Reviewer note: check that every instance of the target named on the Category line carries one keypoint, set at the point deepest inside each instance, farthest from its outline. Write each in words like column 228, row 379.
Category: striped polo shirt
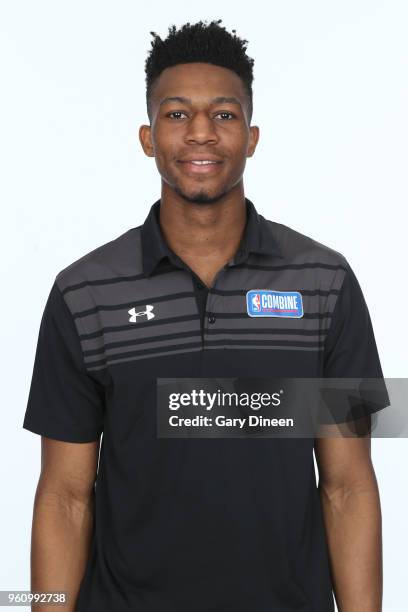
column 197, row 524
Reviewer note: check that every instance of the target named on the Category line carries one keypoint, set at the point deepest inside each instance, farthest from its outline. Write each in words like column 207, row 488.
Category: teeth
column 202, row 161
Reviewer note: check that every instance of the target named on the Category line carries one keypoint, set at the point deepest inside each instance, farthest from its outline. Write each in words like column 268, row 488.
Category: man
column 200, row 525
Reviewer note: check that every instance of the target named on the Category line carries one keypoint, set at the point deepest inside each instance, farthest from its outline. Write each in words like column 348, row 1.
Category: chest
column 167, row 321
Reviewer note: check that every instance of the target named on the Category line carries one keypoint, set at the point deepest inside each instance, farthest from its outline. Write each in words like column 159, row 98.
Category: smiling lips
column 201, row 165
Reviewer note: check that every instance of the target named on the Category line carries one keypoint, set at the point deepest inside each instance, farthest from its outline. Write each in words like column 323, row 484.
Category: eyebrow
column 217, row 100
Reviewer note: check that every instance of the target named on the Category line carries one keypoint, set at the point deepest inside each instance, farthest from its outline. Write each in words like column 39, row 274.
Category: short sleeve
column 64, row 402
column 350, row 352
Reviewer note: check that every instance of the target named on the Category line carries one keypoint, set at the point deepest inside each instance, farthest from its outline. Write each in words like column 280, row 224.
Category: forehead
column 198, row 81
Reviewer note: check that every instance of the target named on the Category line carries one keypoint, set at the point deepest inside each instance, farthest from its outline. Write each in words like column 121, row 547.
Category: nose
column 201, row 129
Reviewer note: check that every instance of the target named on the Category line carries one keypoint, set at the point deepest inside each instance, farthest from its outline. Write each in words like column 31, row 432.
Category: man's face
column 199, row 112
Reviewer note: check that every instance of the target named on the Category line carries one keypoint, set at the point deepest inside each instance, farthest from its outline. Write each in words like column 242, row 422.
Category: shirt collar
column 257, row 238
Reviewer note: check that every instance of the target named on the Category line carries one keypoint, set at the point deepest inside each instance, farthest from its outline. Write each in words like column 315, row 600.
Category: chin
column 200, row 197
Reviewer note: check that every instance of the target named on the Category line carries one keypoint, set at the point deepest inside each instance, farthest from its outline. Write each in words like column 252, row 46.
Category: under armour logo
column 147, row 313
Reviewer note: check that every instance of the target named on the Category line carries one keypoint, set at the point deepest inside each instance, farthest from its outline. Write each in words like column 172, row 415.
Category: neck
column 203, row 235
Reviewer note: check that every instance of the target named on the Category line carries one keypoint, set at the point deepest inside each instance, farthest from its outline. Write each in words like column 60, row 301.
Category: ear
column 145, row 137
column 253, row 140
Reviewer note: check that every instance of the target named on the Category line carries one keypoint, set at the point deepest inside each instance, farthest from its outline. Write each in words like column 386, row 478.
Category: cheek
column 165, row 142
column 244, row 140
column 236, row 142
column 163, row 151
column 239, row 148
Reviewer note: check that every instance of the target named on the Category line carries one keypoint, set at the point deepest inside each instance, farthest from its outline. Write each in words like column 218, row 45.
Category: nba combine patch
column 269, row 303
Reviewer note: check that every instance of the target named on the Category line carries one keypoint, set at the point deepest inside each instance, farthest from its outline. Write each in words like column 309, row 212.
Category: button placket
column 211, row 317
column 201, row 287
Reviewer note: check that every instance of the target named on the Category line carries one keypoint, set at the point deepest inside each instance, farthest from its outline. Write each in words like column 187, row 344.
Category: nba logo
column 256, row 302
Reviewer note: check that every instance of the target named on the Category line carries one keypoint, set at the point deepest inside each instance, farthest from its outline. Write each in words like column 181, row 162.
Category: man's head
column 199, row 103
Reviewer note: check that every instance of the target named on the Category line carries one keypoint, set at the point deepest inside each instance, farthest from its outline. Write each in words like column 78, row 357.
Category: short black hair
column 199, row 42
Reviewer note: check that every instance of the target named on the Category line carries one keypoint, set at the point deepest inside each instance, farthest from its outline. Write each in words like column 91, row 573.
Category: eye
column 175, row 113
column 231, row 115
column 226, row 115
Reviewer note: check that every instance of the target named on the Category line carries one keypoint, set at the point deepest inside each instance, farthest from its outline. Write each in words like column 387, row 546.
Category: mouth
column 200, row 166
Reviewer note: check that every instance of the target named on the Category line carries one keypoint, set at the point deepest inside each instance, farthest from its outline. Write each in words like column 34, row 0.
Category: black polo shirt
column 197, row 524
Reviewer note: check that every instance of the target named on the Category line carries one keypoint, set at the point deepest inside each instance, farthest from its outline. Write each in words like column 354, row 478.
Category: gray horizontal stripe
column 286, row 280
column 106, row 281
column 268, row 347
column 265, row 324
column 244, row 315
column 231, row 341
column 302, row 290
column 147, row 356
column 294, row 266
column 137, row 333
column 143, row 345
column 247, row 337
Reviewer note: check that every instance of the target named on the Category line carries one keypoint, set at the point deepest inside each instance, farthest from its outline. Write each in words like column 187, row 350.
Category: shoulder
column 116, row 258
column 296, row 247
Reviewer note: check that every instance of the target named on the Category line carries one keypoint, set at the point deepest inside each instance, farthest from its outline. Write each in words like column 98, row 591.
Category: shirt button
column 211, row 318
column 199, row 285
